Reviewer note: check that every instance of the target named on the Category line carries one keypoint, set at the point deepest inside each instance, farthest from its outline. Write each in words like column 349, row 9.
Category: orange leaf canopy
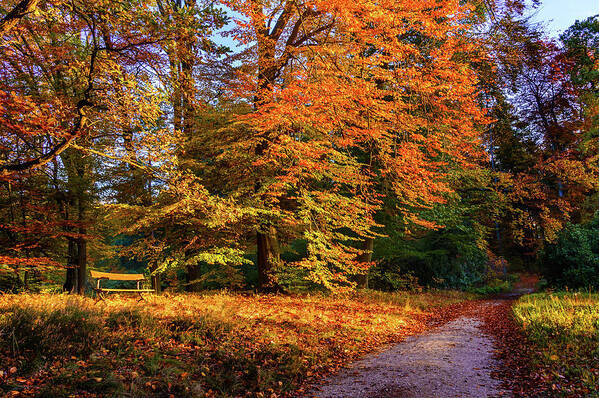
column 352, row 100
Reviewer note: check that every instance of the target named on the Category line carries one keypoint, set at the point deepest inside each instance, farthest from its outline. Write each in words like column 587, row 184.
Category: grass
column 212, row 345
column 564, row 331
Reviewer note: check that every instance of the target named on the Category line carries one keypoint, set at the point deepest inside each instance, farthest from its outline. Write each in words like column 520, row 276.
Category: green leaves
column 573, row 259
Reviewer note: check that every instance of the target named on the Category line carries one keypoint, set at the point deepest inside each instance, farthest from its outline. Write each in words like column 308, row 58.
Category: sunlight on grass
column 564, row 328
column 215, row 344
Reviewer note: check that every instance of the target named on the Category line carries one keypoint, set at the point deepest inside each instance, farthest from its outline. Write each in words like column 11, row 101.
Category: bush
column 14, row 282
column 10, row 282
column 494, row 286
column 388, row 277
column 573, row 260
column 450, row 265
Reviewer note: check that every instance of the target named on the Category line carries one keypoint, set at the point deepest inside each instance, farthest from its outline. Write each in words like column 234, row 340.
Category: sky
column 561, row 14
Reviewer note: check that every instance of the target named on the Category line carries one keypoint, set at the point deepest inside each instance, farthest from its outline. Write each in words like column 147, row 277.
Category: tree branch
column 11, row 19
column 282, row 21
column 80, row 121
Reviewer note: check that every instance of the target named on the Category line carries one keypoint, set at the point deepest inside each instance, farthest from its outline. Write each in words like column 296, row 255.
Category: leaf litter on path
column 455, row 359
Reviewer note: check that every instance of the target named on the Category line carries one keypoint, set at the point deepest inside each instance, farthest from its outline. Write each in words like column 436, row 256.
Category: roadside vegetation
column 563, row 329
column 209, row 345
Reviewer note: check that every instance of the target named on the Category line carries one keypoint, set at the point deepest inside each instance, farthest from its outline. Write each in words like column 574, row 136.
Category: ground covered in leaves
column 548, row 344
column 199, row 345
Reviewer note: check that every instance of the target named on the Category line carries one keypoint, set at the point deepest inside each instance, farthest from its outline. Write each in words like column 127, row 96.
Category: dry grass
column 218, row 344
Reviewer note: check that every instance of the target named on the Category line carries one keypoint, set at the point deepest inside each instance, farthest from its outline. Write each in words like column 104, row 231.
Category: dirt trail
column 453, row 360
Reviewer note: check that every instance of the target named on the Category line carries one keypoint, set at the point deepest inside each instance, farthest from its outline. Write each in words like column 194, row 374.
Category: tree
column 70, row 74
column 329, row 81
column 581, row 50
column 534, row 141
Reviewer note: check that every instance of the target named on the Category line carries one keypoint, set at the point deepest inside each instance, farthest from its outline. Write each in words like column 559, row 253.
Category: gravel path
column 453, row 360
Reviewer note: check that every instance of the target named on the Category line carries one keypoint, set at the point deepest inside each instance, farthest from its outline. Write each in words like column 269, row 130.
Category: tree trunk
column 268, row 259
column 156, row 283
column 26, row 280
column 267, row 243
column 366, row 257
column 82, row 240
column 81, row 263
column 188, row 124
column 70, row 284
column 70, row 280
column 193, row 273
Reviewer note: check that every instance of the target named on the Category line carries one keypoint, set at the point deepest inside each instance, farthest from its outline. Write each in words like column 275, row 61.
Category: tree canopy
column 287, row 144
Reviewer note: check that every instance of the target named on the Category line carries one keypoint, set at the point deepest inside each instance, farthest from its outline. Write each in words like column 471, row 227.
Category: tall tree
column 318, row 96
column 541, row 174
column 65, row 82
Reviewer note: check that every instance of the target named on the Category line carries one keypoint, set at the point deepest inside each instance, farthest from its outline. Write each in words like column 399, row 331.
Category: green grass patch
column 564, row 331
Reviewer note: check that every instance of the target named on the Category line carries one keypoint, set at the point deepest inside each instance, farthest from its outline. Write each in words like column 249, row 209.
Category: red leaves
column 514, row 353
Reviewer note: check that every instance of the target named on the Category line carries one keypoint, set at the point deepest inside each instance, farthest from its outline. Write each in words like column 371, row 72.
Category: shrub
column 445, row 267
column 573, row 260
column 494, row 286
column 10, row 282
column 388, row 277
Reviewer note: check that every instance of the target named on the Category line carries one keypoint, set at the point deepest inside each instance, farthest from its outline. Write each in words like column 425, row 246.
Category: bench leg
column 141, row 298
column 99, row 297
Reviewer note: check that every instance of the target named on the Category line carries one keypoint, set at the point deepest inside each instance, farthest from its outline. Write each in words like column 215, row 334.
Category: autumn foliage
column 277, row 146
column 343, row 107
column 284, row 145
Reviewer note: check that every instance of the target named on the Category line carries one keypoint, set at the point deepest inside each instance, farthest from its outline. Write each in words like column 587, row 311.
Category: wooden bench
column 99, row 276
